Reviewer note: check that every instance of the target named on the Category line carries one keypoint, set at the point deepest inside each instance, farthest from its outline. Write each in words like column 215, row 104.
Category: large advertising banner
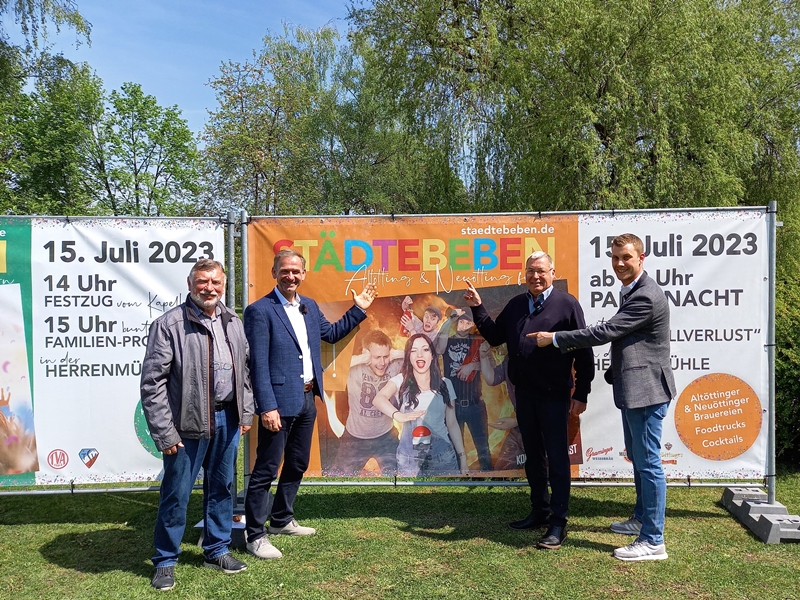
column 712, row 267
column 78, row 297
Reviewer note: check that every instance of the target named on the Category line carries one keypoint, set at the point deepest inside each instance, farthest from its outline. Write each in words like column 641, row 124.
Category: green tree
column 32, row 17
column 306, row 128
column 11, row 82
column 260, row 140
column 580, row 104
column 144, row 159
column 55, row 140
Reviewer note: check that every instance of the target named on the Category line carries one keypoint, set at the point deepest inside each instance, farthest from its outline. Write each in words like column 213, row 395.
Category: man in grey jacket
column 643, row 385
column 197, row 401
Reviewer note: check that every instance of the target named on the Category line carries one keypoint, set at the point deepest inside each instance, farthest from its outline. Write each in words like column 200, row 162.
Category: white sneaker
column 291, row 528
column 632, row 526
column 263, row 548
column 641, row 550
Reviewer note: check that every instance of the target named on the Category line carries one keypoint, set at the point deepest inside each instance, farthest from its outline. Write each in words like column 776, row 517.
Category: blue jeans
column 438, row 458
column 217, row 456
column 354, row 453
column 642, row 430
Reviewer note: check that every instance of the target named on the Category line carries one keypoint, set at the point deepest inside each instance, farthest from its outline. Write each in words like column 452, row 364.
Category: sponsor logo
column 57, row 459
column 624, row 454
column 573, row 449
column 592, row 453
column 668, row 446
column 671, row 455
column 88, row 456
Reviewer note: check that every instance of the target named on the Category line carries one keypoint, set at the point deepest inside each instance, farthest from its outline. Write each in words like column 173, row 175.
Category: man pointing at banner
column 285, row 332
column 643, row 384
column 197, row 401
column 543, row 380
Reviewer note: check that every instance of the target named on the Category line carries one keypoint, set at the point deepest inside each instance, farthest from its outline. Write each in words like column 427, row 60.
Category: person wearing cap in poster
column 643, row 383
column 544, row 385
column 429, row 325
column 459, row 347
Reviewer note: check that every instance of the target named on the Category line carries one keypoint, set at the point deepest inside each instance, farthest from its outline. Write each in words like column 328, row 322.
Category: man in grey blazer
column 643, row 385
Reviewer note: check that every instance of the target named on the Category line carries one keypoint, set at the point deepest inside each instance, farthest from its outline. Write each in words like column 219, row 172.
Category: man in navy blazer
column 285, row 332
column 643, row 384
column 543, row 383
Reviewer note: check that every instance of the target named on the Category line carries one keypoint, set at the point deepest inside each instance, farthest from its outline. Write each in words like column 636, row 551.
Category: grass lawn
column 419, row 543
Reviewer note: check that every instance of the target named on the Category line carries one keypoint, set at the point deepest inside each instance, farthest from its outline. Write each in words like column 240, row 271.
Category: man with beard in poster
column 544, row 388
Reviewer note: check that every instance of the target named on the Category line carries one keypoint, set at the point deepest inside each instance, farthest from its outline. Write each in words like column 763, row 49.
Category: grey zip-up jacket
column 176, row 375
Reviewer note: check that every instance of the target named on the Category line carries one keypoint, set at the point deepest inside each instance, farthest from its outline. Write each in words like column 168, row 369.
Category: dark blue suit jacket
column 276, row 362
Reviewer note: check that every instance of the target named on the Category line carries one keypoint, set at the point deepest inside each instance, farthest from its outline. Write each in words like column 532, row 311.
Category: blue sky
column 173, row 47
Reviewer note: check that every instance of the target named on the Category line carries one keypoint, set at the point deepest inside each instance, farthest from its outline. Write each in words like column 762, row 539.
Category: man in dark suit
column 544, row 388
column 285, row 331
column 643, row 384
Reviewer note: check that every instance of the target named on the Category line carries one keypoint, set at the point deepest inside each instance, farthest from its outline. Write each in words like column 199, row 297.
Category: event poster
column 89, row 289
column 711, row 265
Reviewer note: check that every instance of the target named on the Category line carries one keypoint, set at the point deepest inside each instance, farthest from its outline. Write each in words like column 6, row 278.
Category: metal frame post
column 772, row 225
column 230, row 228
column 244, row 219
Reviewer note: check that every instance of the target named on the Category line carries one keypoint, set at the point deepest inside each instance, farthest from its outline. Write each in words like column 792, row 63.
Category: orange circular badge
column 718, row 416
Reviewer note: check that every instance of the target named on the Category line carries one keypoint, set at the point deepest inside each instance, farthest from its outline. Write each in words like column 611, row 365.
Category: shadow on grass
column 100, row 551
column 107, row 532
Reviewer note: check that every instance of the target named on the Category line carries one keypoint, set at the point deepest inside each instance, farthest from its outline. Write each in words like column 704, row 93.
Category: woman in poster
column 430, row 441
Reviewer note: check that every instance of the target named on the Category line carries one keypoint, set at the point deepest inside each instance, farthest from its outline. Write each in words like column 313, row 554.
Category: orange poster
column 420, row 266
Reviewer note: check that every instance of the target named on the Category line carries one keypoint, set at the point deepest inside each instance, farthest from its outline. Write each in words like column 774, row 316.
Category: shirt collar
column 627, row 289
column 544, row 295
column 284, row 301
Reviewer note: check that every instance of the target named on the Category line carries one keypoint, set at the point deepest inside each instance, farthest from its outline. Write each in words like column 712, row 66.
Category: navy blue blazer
column 276, row 363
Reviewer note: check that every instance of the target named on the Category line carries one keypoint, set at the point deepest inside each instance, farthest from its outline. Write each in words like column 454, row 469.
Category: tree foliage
column 144, row 160
column 580, row 104
column 69, row 149
column 306, row 128
column 32, row 16
column 54, row 140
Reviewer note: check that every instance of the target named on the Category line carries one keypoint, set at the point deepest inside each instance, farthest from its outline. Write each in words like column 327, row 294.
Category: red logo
column 57, row 459
column 590, row 452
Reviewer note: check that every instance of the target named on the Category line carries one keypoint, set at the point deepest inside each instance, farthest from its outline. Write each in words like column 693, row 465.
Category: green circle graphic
column 143, row 432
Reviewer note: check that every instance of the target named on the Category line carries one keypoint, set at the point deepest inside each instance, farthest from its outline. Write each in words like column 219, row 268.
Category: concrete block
column 769, row 521
column 736, row 495
column 774, row 529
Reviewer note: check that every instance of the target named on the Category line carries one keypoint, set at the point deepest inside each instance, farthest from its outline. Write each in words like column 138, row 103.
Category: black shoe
column 225, row 563
column 553, row 539
column 164, row 578
column 532, row 521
